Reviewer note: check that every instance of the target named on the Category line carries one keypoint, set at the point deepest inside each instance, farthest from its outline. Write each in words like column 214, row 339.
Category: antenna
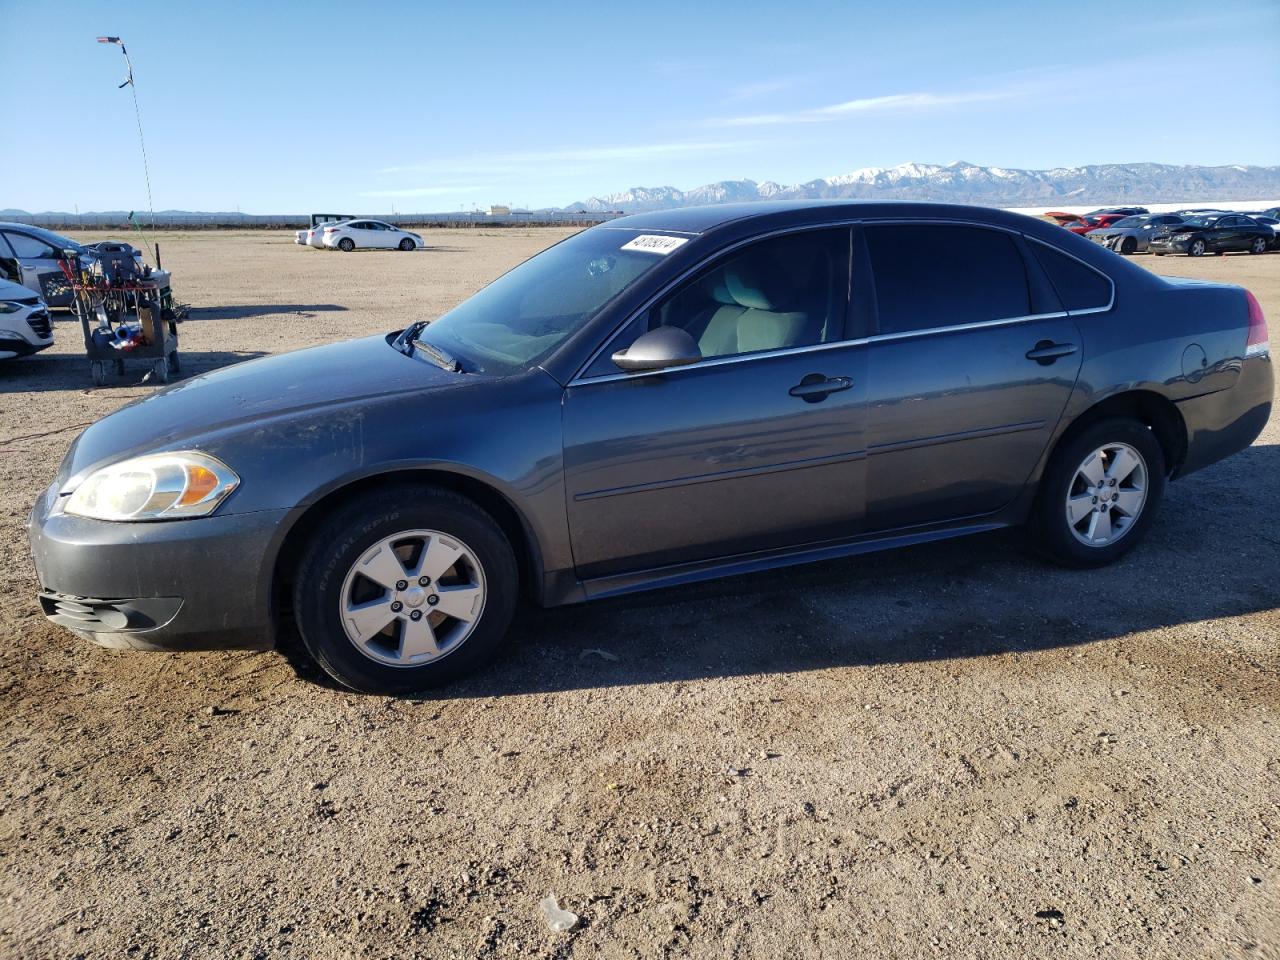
column 133, row 88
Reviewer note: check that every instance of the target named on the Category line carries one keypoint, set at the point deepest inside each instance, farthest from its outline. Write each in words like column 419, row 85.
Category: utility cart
column 123, row 316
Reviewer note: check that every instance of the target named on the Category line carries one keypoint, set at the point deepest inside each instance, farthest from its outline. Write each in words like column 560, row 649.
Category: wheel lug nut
column 416, row 615
column 432, row 600
column 396, row 606
column 424, row 581
column 402, row 585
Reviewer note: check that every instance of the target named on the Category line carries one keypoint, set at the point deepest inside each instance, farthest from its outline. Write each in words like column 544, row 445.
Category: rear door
column 969, row 370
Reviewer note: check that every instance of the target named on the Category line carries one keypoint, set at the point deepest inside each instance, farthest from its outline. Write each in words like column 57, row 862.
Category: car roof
column 698, row 220
column 41, row 232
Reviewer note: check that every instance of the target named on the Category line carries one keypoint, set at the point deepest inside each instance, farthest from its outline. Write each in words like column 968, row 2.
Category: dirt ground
column 950, row 751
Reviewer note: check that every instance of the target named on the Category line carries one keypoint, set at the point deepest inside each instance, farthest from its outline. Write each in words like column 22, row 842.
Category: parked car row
column 1193, row 232
column 349, row 235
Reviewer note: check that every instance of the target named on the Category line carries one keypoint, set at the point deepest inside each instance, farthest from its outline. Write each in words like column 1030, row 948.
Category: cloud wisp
column 892, row 103
column 522, row 160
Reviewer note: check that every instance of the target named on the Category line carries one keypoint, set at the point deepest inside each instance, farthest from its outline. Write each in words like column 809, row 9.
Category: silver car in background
column 29, row 256
column 1131, row 234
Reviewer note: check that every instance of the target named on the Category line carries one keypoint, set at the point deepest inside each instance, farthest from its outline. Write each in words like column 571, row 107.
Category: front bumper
column 1168, row 246
column 170, row 585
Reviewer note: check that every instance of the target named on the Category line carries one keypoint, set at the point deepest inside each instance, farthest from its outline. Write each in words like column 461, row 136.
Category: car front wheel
column 407, row 244
column 1196, row 249
column 405, row 589
column 1099, row 494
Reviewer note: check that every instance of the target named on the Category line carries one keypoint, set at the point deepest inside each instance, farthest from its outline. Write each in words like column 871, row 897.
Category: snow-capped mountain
column 962, row 182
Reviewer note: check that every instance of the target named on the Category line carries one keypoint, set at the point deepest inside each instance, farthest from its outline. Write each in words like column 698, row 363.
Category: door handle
column 815, row 387
column 1046, row 351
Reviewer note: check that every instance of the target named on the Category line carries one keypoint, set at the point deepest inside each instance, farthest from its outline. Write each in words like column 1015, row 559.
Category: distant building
column 497, row 210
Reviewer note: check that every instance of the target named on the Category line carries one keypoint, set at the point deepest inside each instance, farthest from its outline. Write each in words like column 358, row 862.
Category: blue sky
column 427, row 106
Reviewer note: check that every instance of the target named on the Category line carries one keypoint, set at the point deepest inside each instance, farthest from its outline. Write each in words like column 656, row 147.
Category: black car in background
column 1123, row 211
column 1213, row 233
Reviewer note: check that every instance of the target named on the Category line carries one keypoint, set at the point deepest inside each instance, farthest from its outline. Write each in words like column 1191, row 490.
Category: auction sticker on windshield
column 650, row 243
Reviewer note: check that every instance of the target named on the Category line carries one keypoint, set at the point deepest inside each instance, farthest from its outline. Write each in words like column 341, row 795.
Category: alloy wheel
column 1197, row 248
column 412, row 598
column 1107, row 494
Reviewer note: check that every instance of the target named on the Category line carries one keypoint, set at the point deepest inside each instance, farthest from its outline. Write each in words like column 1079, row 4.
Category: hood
column 286, row 384
column 15, row 291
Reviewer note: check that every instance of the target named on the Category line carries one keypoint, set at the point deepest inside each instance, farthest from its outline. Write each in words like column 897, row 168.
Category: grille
column 84, row 613
column 39, row 324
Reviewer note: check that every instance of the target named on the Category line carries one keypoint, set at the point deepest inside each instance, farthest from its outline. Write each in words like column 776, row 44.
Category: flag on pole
column 128, row 64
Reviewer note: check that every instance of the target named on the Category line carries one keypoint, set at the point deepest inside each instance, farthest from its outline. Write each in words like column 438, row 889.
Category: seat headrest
column 758, row 284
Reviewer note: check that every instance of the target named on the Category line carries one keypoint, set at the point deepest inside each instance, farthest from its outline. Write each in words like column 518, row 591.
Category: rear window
column 942, row 275
column 1079, row 287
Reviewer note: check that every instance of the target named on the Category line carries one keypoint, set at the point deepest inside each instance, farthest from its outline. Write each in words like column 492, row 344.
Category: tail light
column 1256, row 344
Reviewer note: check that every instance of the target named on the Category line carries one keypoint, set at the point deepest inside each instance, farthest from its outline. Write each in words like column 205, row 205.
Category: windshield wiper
column 404, row 342
column 436, row 355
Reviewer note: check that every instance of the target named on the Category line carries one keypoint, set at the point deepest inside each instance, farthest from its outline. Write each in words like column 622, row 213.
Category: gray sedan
column 664, row 398
column 1131, row 234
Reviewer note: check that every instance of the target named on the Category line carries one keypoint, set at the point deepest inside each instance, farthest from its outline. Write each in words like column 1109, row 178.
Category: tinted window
column 26, row 247
column 1130, row 222
column 1079, row 287
column 930, row 275
column 774, row 295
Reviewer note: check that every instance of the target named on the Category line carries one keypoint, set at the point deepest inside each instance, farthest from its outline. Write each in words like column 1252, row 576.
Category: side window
column 941, row 275
column 776, row 294
column 26, row 247
column 1079, row 287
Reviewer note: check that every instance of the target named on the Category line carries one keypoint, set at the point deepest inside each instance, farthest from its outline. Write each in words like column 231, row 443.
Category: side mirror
column 659, row 349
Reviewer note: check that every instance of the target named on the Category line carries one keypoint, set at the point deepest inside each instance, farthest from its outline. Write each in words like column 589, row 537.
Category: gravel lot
column 948, row 751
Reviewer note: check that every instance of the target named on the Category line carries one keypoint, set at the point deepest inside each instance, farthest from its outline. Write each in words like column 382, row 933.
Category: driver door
column 759, row 446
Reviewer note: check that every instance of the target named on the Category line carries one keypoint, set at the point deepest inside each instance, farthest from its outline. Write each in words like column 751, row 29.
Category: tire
column 1064, row 483
column 332, row 577
column 160, row 371
column 1196, row 249
column 98, row 371
column 346, row 244
column 1259, row 245
column 1129, row 246
column 406, row 244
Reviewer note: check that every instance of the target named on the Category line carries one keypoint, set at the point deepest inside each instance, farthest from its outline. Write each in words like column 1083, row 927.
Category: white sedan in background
column 368, row 235
column 24, row 322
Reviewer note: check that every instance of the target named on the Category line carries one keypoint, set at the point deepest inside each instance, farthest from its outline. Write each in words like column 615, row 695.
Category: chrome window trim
column 579, row 380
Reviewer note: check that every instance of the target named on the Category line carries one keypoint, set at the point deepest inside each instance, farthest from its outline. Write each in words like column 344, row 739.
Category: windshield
column 517, row 320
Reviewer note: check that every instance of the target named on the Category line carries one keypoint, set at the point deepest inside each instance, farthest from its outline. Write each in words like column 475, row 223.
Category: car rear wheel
column 346, row 244
column 1259, row 245
column 407, row 244
column 1099, row 494
column 1196, row 249
column 405, row 589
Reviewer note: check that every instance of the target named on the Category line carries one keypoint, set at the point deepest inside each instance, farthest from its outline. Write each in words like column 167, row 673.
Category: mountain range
column 962, row 182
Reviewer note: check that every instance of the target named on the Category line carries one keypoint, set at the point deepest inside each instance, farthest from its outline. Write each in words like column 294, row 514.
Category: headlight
column 162, row 486
column 1182, row 236
column 10, row 306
